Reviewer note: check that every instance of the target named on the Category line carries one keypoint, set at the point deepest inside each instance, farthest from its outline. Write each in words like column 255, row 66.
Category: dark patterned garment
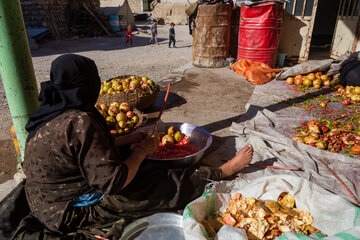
column 72, row 155
column 69, row 156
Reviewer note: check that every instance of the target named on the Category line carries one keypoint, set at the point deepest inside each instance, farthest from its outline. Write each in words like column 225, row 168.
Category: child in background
column 153, row 30
column 129, row 36
column 172, row 34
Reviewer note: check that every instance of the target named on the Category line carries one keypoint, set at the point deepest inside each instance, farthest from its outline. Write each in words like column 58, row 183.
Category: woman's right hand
column 150, row 144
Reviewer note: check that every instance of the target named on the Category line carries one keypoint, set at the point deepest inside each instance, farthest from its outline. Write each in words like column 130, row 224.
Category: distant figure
column 129, row 36
column 153, row 30
column 172, row 34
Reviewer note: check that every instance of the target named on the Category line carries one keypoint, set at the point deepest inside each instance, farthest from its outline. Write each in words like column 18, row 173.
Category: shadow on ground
column 54, row 47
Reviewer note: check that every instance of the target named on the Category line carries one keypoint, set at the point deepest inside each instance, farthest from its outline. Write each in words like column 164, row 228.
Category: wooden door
column 297, row 28
column 346, row 28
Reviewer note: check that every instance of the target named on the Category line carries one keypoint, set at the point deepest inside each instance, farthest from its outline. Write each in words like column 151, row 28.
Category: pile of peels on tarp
column 263, row 220
column 255, row 72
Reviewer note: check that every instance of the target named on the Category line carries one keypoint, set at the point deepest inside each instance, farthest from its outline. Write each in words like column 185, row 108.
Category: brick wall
column 34, row 13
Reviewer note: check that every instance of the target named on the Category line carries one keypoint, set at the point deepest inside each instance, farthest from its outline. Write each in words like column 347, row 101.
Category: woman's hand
column 149, row 144
column 129, row 139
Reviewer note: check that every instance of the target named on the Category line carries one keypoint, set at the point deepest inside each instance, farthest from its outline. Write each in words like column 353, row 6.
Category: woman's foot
column 240, row 161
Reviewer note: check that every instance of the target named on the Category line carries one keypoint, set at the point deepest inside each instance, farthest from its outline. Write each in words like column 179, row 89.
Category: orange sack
column 255, row 72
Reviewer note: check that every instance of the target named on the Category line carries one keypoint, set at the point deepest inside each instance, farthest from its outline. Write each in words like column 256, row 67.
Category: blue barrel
column 114, row 22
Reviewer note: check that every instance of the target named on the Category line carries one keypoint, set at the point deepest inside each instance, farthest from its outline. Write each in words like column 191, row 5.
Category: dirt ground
column 211, row 98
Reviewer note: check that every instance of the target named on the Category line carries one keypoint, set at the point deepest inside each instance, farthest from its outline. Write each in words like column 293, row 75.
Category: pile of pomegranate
column 350, row 94
column 332, row 136
column 118, row 85
column 120, row 117
column 174, row 144
column 315, row 80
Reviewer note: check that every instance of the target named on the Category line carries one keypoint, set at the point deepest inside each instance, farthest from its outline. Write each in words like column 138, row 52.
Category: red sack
column 255, row 72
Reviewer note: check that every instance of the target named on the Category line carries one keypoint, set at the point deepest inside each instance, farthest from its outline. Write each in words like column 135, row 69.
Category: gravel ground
column 112, row 57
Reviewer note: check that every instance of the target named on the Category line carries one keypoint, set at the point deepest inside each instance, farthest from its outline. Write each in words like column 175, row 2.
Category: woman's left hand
column 129, row 139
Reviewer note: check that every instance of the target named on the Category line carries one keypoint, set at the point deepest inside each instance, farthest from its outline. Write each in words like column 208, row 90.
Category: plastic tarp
column 329, row 66
column 332, row 214
column 267, row 125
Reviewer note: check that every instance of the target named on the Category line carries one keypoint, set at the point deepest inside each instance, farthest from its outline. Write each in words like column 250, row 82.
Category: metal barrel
column 259, row 32
column 211, row 35
column 114, row 22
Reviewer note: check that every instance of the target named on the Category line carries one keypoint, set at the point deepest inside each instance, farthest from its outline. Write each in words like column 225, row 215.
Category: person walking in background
column 172, row 34
column 129, row 36
column 153, row 30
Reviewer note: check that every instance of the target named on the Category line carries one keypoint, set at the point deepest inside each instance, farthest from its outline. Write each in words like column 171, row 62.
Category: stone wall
column 34, row 11
column 171, row 12
column 136, row 6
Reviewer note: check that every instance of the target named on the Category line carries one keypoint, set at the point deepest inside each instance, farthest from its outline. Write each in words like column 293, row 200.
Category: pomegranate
column 113, row 110
column 135, row 119
column 317, row 82
column 346, row 102
column 299, row 139
column 290, row 80
column 357, row 90
column 171, row 131
column 324, row 129
column 314, row 129
column 323, row 104
column 178, row 136
column 144, row 84
column 122, row 124
column 307, row 82
column 310, row 139
column 129, row 114
column 355, row 149
column 124, row 107
column 327, row 83
column 321, row 145
column 298, row 76
column 318, row 75
column 313, row 122
column 121, row 117
column 103, row 107
column 324, row 78
column 298, row 81
column 110, row 120
column 185, row 140
column 349, row 127
column 311, row 76
column 167, row 140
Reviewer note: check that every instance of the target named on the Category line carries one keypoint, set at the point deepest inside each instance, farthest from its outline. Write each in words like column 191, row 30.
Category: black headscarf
column 74, row 84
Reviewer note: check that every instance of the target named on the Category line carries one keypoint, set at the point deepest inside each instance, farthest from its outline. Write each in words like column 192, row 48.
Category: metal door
column 346, row 28
column 297, row 28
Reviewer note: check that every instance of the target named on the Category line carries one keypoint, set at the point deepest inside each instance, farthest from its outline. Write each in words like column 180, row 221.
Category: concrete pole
column 16, row 68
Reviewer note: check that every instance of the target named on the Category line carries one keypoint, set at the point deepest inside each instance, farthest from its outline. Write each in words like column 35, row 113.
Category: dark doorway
column 324, row 27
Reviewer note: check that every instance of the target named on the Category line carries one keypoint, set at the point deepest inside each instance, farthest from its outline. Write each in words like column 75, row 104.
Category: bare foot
column 240, row 161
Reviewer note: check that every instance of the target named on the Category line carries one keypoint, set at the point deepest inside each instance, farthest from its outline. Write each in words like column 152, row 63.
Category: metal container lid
column 160, row 226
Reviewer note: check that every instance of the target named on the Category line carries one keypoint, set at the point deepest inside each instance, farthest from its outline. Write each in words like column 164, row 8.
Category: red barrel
column 259, row 32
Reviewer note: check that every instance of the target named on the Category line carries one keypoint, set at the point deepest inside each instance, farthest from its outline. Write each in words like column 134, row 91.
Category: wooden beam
column 97, row 19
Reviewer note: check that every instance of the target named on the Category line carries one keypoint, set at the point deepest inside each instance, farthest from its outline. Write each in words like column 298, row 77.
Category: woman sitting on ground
column 79, row 178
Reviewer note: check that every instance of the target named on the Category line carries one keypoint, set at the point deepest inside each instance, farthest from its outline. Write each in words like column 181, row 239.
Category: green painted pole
column 16, row 68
